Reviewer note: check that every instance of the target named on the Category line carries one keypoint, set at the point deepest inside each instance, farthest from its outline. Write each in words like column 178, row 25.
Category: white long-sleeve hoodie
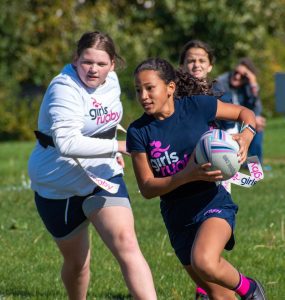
column 72, row 113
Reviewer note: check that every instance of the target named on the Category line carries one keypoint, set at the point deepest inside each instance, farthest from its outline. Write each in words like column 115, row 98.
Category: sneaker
column 258, row 294
column 201, row 297
column 201, row 294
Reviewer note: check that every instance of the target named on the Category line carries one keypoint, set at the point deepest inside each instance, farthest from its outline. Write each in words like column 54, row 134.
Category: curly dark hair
column 186, row 84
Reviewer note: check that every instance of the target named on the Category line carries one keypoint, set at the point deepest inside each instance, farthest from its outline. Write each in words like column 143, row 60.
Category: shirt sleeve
column 134, row 140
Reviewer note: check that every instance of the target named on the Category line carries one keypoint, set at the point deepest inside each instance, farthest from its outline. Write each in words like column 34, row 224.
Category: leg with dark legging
column 256, row 146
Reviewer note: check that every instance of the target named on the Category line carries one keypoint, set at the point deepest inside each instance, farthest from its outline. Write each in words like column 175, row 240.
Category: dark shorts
column 65, row 217
column 184, row 217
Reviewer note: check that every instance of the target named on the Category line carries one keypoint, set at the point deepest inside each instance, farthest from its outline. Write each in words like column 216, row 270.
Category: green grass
column 30, row 262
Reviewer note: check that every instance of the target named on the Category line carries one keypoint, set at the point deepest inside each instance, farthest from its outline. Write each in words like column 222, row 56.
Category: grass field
column 30, row 262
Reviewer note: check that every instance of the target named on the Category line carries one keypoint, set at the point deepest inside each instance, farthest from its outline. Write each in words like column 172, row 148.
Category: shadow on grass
column 22, row 294
column 115, row 297
column 112, row 296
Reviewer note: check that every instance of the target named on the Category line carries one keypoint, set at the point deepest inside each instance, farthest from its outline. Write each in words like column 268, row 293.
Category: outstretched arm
column 226, row 111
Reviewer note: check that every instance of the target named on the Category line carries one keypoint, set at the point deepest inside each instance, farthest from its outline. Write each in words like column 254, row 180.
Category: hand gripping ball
column 217, row 147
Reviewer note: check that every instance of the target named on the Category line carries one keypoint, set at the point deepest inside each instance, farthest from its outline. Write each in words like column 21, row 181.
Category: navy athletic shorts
column 183, row 218
column 64, row 217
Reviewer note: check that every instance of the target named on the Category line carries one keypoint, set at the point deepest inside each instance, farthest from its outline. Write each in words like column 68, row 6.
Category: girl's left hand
column 120, row 160
column 244, row 139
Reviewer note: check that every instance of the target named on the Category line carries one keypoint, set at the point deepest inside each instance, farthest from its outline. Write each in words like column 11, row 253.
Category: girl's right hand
column 195, row 172
column 120, row 159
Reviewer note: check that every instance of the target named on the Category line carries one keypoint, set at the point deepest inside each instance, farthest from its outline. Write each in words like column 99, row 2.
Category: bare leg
column 115, row 225
column 75, row 269
column 214, row 291
column 206, row 253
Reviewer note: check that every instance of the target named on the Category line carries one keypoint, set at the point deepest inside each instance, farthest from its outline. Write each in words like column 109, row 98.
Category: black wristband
column 249, row 127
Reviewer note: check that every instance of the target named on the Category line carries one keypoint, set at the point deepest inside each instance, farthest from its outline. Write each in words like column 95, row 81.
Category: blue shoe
column 258, row 294
column 201, row 297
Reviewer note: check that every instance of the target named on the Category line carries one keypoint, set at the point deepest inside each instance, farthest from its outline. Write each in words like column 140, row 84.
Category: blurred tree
column 39, row 36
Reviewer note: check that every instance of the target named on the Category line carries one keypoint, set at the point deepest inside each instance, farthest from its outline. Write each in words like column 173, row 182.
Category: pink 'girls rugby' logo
column 157, row 151
column 96, row 104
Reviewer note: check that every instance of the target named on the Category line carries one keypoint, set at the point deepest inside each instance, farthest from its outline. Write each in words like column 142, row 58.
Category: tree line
column 39, row 36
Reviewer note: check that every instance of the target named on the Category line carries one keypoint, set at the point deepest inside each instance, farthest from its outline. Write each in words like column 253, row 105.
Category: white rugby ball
column 217, row 147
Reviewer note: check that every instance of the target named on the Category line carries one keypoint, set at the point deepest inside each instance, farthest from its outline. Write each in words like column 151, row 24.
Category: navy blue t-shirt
column 169, row 143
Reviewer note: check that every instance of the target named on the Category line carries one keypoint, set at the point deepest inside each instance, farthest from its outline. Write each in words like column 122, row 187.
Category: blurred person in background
column 197, row 58
column 242, row 87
